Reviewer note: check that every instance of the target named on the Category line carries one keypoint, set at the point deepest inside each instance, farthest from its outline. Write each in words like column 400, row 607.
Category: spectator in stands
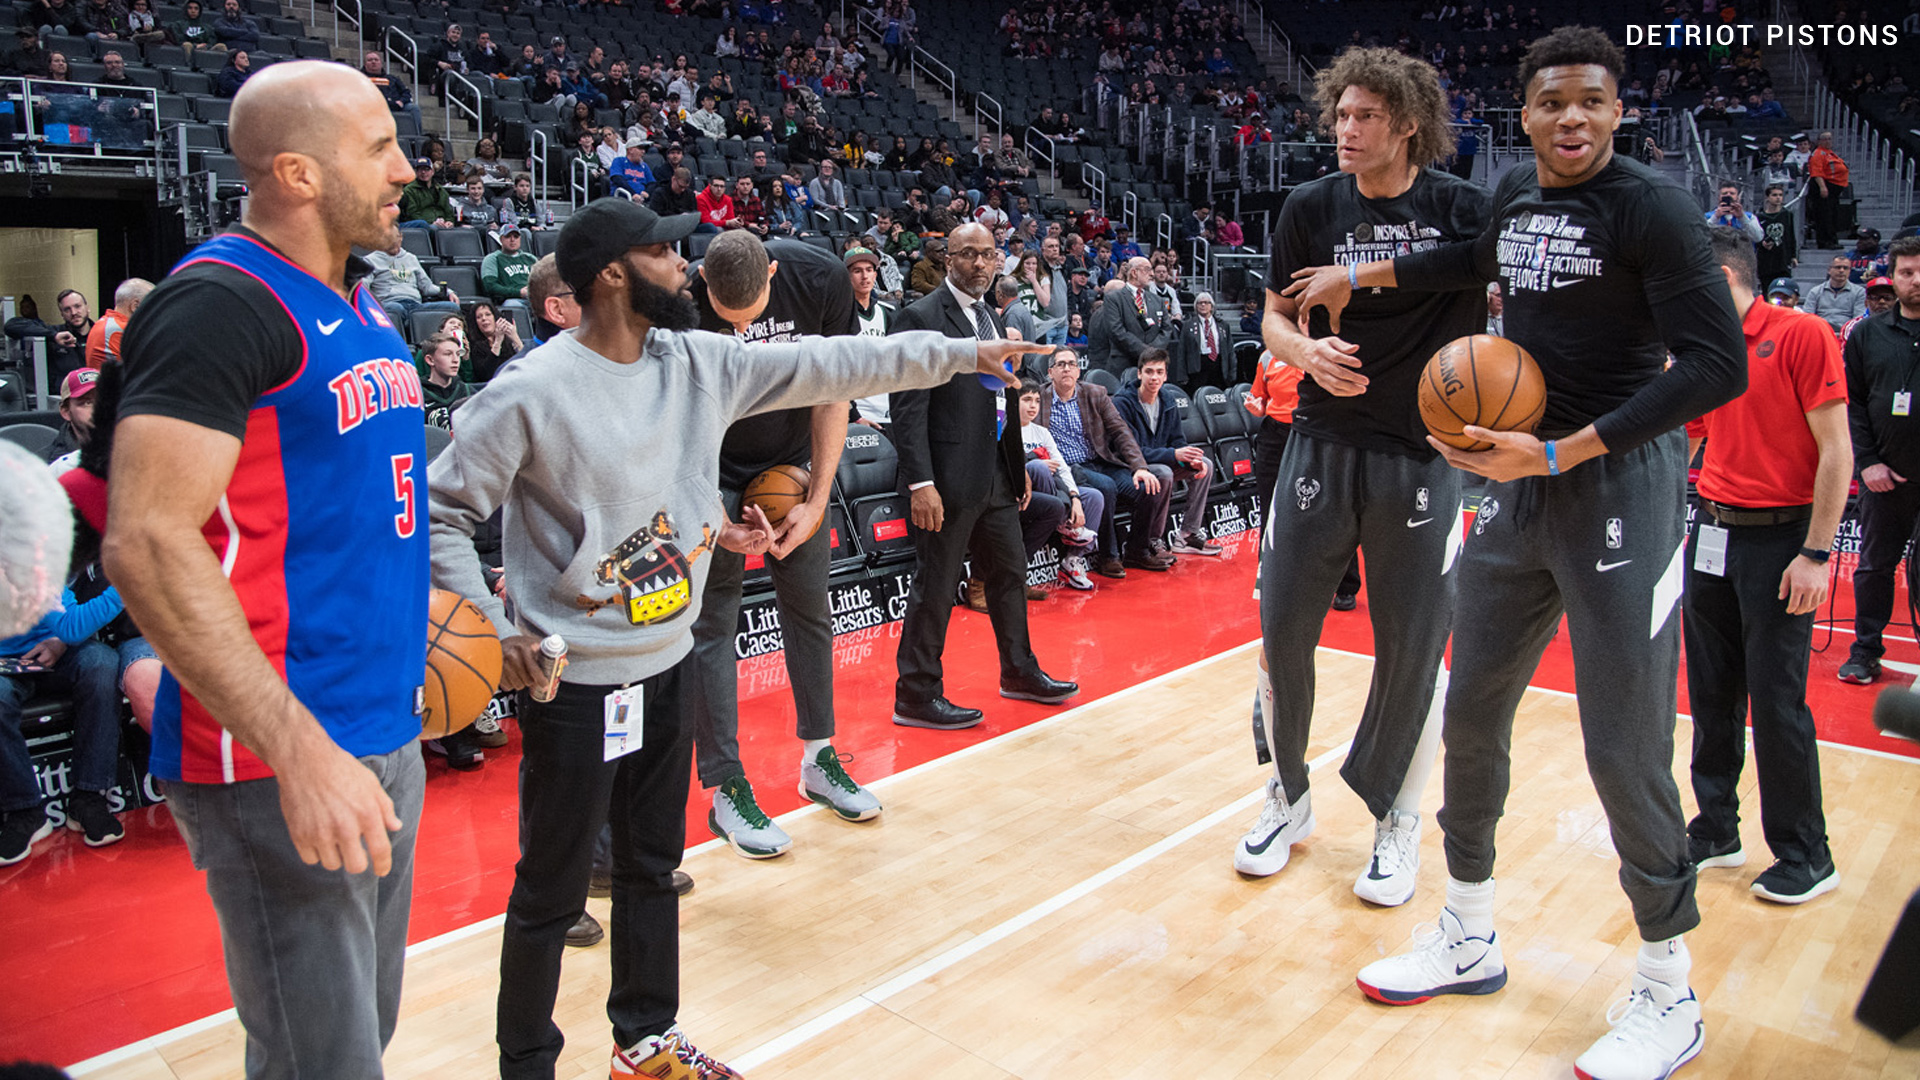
column 1056, row 499
column 105, row 20
column 715, row 206
column 1154, row 420
column 826, row 191
column 1162, row 287
column 447, row 55
column 504, row 273
column 1784, row 292
column 1218, row 64
column 76, row 417
column 488, row 58
column 674, row 195
column 486, row 163
column 1016, row 315
column 1129, row 325
column 938, row 176
column 103, row 340
column 631, row 174
column 1868, row 260
column 1195, row 226
column 235, row 28
column 68, row 348
column 1208, row 344
column 398, row 94
column 453, row 326
column 1827, row 173
column 1774, row 170
column 706, row 121
column 116, row 70
column 749, row 210
column 474, row 207
column 402, row 286
column 143, row 26
column 1731, row 214
column 64, row 657
column 1837, row 299
column 234, row 75
column 520, row 208
column 1779, row 247
column 26, row 59
column 443, row 388
column 492, row 339
column 931, row 271
column 423, row 203
column 784, row 216
column 809, row 144
column 1081, row 295
column 58, row 17
column 1095, row 440
column 1881, row 298
column 1012, row 162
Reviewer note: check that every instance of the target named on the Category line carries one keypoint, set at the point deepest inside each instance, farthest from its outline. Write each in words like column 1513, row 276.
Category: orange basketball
column 779, row 490
column 1484, row 380
column 463, row 664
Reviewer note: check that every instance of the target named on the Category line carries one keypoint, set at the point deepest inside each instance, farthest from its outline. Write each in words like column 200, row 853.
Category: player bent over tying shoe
column 1607, row 270
column 1357, row 471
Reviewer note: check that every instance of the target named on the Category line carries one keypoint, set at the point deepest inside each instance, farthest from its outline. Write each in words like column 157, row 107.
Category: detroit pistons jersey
column 320, row 531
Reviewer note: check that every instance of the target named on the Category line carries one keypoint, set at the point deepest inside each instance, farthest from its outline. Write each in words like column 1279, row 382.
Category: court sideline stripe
column 419, row 948
column 927, row 969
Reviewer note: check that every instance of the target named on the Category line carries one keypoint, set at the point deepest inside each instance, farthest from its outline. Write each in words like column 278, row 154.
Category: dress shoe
column 600, row 886
column 1038, row 687
column 682, row 883
column 1035, row 592
column 938, row 714
column 586, row 932
column 1148, row 561
column 1345, row 601
column 1108, row 566
column 977, row 595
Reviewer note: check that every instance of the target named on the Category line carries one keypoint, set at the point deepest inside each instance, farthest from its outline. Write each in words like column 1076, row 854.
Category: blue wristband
column 1553, row 460
column 1353, row 275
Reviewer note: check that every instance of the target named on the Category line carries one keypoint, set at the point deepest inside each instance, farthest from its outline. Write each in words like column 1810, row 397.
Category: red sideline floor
column 105, row 947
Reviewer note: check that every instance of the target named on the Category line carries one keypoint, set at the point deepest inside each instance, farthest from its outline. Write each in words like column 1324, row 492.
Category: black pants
column 1886, row 524
column 566, row 794
column 1268, row 445
column 990, row 529
column 1826, row 213
column 1743, row 646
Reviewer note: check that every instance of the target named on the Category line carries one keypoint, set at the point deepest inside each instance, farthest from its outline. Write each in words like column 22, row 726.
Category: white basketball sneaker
column 1389, row 877
column 1444, row 960
column 1656, row 1029
column 1266, row 847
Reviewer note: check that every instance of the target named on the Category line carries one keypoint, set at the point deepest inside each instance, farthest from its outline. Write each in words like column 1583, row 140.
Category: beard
column 345, row 217
column 666, row 309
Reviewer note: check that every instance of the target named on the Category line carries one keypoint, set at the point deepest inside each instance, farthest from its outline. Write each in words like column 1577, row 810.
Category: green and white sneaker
column 738, row 820
column 825, row 782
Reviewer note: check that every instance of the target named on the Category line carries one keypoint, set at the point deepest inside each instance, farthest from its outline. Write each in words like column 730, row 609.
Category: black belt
column 1760, row 515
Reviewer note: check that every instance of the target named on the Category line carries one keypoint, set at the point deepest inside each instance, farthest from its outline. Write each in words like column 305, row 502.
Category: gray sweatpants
column 712, row 690
column 1603, row 543
column 1405, row 514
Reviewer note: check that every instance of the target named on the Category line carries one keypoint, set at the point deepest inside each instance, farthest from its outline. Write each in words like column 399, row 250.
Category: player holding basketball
column 1357, row 471
column 1606, row 270
column 266, row 530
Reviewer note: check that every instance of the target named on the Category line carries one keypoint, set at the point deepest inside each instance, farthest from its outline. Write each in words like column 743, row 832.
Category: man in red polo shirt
column 1772, row 488
column 1827, row 171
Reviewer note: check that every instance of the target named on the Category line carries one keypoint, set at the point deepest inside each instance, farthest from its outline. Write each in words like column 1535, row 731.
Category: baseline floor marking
column 927, row 969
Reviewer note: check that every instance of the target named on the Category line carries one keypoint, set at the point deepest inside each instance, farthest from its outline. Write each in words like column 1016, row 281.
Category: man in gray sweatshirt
column 603, row 447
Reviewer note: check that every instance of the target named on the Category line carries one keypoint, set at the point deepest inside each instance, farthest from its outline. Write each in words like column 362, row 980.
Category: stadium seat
column 420, row 243
column 462, row 278
column 35, row 438
column 459, row 245
column 1103, row 379
column 868, row 479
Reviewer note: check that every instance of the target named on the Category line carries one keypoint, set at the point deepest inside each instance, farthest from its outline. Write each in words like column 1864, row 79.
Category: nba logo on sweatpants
column 1613, row 534
column 1420, row 499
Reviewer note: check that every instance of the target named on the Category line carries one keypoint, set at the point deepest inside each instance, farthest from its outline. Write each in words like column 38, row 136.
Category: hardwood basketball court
column 1060, row 902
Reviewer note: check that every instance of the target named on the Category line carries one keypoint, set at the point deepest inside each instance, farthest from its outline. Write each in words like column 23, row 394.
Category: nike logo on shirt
column 327, row 328
column 1603, row 566
column 1412, row 524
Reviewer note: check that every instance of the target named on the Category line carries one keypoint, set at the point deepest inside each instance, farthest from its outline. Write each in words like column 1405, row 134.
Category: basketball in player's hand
column 1483, row 380
column 463, row 664
column 778, row 490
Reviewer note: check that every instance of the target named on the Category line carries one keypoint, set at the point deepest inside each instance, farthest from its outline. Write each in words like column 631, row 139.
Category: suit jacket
column 1106, row 429
column 1190, row 356
column 946, row 434
column 1119, row 334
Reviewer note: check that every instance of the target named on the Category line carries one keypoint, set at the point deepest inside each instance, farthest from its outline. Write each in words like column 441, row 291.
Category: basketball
column 779, row 490
column 1484, row 380
column 463, row 664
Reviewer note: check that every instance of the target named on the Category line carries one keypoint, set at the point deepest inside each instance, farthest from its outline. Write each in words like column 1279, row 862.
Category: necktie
column 983, row 329
column 1206, row 328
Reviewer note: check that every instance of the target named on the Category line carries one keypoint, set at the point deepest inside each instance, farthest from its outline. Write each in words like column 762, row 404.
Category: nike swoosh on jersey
column 1412, row 524
column 1561, row 283
column 1603, row 566
column 327, row 328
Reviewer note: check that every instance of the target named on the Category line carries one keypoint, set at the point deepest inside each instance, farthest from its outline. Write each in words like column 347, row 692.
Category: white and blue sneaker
column 1266, row 847
column 824, row 781
column 1656, row 1029
column 738, row 819
column 1390, row 875
column 1444, row 960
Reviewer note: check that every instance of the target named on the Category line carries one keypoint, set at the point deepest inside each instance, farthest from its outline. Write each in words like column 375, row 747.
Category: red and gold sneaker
column 669, row 1057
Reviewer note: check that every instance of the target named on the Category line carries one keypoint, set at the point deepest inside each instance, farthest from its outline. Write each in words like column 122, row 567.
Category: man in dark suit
column 963, row 468
column 1208, row 346
column 1131, row 321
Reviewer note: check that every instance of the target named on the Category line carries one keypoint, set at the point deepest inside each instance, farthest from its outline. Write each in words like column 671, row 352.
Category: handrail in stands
column 454, row 81
column 355, row 18
column 919, row 57
column 538, row 148
column 410, row 57
column 1040, row 150
column 579, row 183
column 980, row 103
column 1094, row 179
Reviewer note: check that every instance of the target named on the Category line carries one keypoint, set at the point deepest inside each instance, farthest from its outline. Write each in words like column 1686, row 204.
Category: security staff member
column 1772, row 488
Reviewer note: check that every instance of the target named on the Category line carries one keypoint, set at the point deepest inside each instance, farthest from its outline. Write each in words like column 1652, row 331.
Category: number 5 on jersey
column 405, row 520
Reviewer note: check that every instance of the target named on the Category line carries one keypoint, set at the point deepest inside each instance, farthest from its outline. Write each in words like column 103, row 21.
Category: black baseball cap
column 606, row 229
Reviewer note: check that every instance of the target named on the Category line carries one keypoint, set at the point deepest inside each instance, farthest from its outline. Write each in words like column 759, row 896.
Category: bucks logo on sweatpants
column 653, row 576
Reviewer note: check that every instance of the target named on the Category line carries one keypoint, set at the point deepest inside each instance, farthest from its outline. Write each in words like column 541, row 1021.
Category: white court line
column 927, row 969
column 155, row 1042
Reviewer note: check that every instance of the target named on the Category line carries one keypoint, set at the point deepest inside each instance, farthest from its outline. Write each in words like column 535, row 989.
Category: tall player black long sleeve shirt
column 1602, row 281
